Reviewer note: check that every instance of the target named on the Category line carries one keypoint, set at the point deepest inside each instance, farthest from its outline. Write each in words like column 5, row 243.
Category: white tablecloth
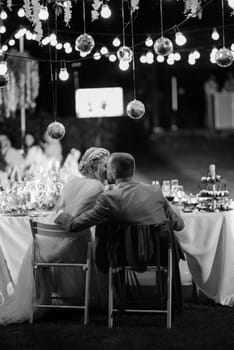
column 208, row 241
column 15, row 238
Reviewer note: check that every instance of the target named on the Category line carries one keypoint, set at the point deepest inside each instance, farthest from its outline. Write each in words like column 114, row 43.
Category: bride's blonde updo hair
column 89, row 160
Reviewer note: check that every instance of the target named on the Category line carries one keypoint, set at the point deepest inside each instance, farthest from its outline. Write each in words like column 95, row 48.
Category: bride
column 79, row 195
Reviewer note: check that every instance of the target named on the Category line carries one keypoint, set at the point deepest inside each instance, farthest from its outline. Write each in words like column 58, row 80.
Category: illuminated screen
column 99, row 102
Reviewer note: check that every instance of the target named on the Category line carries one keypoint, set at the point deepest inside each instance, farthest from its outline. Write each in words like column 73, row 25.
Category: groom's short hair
column 123, row 164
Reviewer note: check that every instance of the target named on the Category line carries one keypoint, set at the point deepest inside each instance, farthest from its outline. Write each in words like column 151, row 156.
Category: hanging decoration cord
column 56, row 74
column 161, row 17
column 133, row 56
column 123, row 23
column 84, row 16
column 223, row 23
column 51, row 76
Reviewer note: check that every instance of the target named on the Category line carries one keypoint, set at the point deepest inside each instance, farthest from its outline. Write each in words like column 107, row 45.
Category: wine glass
column 174, row 183
column 166, row 187
column 179, row 193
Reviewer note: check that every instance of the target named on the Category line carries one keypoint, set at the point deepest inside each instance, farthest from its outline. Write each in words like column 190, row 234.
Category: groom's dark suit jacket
column 129, row 202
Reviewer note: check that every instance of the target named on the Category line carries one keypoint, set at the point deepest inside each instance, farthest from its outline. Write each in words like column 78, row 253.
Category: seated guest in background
column 79, row 195
column 12, row 157
column 129, row 202
column 53, row 149
column 70, row 168
column 33, row 153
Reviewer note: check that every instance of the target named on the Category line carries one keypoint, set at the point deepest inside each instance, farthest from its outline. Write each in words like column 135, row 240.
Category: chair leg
column 110, row 299
column 87, row 287
column 169, row 288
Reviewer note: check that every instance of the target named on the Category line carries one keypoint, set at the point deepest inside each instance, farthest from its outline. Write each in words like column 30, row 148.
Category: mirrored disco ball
column 163, row 46
column 56, row 130
column 224, row 57
column 4, row 78
column 135, row 109
column 125, row 54
column 84, row 43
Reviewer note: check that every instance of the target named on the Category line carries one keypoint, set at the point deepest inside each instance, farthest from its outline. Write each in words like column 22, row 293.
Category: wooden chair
column 153, row 265
column 52, row 230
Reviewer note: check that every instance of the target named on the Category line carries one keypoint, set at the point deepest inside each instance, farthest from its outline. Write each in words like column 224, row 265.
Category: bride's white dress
column 79, row 195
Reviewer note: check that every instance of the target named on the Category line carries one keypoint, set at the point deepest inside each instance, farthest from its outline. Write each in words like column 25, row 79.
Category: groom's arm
column 98, row 214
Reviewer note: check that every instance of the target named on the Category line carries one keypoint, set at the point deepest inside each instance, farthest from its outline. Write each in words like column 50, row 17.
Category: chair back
column 44, row 229
column 134, row 245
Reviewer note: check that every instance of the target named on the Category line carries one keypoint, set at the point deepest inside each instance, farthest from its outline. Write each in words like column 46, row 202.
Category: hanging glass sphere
column 84, row 43
column 125, row 54
column 56, row 130
column 135, row 109
column 224, row 57
column 4, row 79
column 163, row 46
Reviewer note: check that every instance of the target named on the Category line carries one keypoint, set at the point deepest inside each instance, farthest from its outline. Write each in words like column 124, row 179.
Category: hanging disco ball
column 135, row 109
column 163, row 46
column 124, row 54
column 84, row 43
column 224, row 57
column 56, row 130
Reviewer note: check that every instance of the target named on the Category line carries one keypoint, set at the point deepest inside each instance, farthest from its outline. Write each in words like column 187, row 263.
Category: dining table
column 208, row 242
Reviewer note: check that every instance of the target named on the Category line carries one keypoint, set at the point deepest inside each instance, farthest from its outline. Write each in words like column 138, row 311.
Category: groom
column 129, row 202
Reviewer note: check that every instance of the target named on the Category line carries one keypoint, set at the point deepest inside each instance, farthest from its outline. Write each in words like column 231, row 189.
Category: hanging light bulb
column 105, row 11
column 97, row 56
column 180, row 39
column 59, row 46
column 21, row 12
column 160, row 58
column 170, row 59
column 56, row 130
column 112, row 58
column 43, row 13
column 231, row 3
column 11, row 42
column 213, row 54
column 149, row 41
column 104, row 50
column 63, row 74
column 4, row 48
column 3, row 15
column 29, row 35
column 196, row 54
column 177, row 56
column 116, row 42
column 215, row 35
column 143, row 59
column 123, row 65
column 2, row 29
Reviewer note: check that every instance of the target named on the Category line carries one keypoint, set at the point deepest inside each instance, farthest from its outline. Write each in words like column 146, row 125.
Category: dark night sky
column 103, row 73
